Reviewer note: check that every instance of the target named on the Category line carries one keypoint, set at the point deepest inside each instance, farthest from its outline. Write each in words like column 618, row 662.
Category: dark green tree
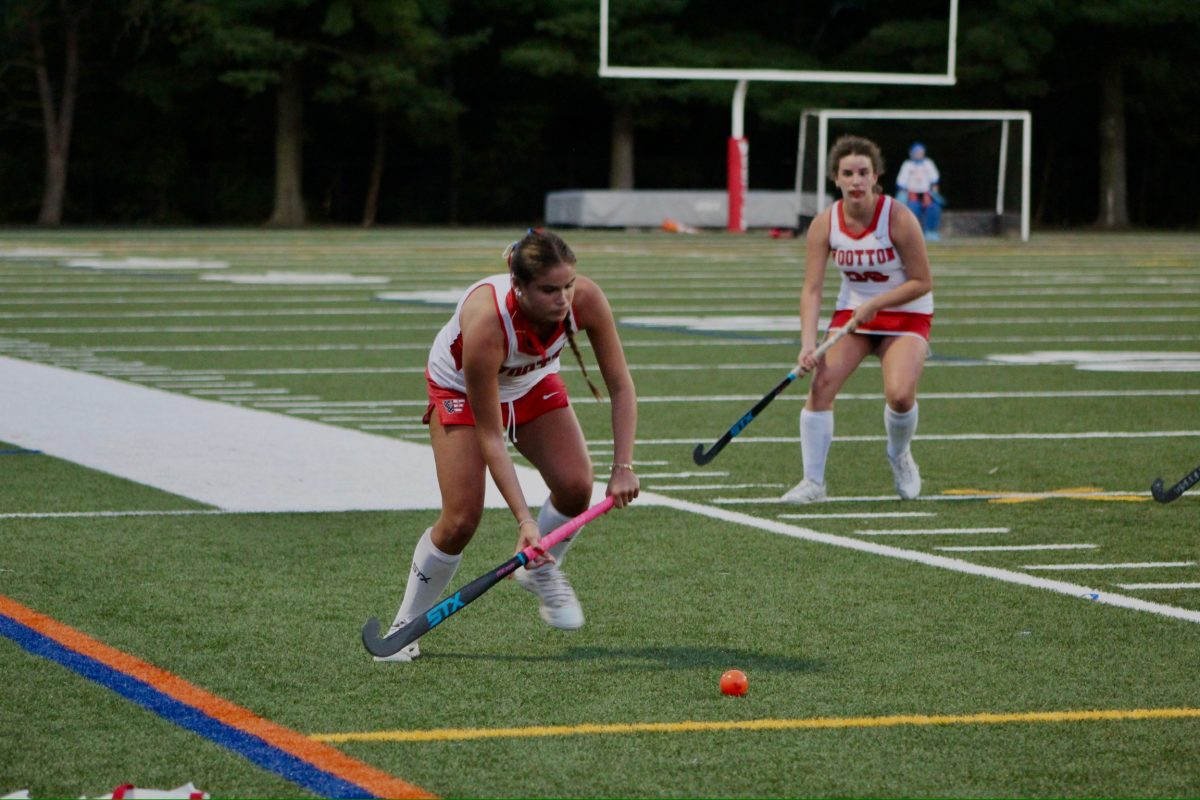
column 378, row 53
column 46, row 41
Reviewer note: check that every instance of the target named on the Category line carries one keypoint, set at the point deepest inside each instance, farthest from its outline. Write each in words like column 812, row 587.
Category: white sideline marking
column 996, row 548
column 1159, row 585
column 930, row 531
column 941, row 562
column 1127, row 565
column 230, row 457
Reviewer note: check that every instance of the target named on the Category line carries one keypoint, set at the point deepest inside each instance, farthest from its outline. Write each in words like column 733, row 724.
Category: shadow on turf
column 657, row 658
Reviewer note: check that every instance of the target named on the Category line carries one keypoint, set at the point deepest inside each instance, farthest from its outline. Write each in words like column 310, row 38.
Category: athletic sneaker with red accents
column 559, row 606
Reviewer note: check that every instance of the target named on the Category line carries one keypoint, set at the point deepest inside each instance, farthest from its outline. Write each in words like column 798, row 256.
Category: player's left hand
column 623, row 486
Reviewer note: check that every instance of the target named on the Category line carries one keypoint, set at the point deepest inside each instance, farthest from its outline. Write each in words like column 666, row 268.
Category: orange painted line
column 320, row 755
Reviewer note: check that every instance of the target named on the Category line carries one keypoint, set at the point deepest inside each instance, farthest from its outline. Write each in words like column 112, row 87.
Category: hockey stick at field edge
column 1166, row 496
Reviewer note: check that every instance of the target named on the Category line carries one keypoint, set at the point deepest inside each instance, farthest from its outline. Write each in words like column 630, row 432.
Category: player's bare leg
column 816, row 420
column 902, row 359
column 554, row 444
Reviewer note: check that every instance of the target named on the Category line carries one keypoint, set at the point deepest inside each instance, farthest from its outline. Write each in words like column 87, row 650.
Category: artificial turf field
column 1028, row 628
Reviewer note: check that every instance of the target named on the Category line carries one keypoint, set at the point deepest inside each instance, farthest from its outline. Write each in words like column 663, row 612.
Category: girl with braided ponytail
column 492, row 376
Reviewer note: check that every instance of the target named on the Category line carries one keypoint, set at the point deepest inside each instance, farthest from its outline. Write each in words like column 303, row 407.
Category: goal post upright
column 737, row 148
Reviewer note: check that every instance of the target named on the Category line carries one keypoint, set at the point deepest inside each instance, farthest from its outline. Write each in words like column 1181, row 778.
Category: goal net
column 983, row 158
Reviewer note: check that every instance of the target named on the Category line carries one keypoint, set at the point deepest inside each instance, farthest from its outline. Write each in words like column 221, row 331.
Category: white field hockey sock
column 430, row 575
column 900, row 429
column 816, row 435
column 550, row 518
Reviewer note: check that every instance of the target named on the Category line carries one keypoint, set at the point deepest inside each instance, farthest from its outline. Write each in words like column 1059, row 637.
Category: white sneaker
column 409, row 652
column 908, row 477
column 806, row 491
column 559, row 606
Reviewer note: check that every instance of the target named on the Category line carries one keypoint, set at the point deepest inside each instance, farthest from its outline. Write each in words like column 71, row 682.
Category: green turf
column 265, row 609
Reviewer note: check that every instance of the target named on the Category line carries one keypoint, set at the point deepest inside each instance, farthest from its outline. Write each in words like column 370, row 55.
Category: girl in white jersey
column 878, row 246
column 492, row 375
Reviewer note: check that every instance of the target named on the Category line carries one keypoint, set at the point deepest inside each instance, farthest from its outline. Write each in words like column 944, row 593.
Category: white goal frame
column 787, row 75
column 1004, row 117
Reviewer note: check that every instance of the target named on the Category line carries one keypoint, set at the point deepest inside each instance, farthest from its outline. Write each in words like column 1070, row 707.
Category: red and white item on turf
column 130, row 792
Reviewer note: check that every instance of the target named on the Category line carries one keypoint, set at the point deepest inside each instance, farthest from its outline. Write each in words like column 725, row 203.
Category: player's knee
column 572, row 498
column 458, row 526
column 901, row 402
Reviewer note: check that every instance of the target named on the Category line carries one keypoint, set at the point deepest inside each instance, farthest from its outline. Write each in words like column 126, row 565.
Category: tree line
column 293, row 112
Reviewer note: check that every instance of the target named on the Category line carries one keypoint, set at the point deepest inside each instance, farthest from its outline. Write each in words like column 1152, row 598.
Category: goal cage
column 979, row 149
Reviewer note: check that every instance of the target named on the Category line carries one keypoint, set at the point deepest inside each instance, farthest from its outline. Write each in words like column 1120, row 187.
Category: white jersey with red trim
column 527, row 359
column 869, row 262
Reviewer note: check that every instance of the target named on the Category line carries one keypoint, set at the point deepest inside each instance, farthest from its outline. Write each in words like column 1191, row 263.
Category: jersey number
column 861, row 277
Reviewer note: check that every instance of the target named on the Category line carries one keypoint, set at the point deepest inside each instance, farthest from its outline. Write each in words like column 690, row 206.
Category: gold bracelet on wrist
column 622, row 465
column 527, row 519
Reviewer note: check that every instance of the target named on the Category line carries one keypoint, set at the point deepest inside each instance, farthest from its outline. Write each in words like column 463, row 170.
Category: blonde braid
column 579, row 357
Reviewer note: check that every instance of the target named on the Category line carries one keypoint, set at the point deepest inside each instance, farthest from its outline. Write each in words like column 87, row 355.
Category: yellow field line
column 816, row 723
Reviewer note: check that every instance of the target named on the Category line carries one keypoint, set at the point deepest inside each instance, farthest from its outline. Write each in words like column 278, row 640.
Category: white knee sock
column 430, row 575
column 900, row 429
column 816, row 435
column 550, row 518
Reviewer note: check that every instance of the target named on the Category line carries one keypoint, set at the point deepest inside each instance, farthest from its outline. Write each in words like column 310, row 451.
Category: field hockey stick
column 421, row 624
column 701, row 457
column 1167, row 496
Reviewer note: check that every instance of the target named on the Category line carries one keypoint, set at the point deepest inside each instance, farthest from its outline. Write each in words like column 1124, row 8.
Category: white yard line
column 891, row 498
column 940, row 437
column 1125, row 565
column 929, row 531
column 941, row 562
column 998, row 548
column 1136, row 586
column 713, row 486
column 860, row 515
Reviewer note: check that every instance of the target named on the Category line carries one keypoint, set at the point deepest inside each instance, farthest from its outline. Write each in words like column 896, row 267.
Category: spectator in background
column 917, row 187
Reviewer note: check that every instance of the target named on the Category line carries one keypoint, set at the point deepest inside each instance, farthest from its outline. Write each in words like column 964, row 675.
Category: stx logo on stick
column 444, row 609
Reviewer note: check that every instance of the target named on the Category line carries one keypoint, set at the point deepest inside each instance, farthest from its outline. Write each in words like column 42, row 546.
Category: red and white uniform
column 871, row 266
column 528, row 381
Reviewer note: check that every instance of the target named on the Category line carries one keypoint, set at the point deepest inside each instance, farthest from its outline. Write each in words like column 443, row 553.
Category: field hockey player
column 492, row 376
column 887, row 289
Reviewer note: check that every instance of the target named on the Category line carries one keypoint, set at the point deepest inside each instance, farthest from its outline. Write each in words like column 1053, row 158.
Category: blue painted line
column 250, row 747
